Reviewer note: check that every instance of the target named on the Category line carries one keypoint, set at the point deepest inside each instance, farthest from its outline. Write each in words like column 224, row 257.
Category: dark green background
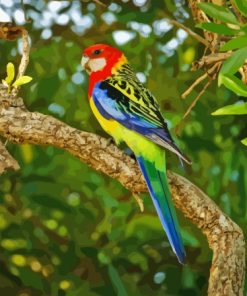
column 68, row 230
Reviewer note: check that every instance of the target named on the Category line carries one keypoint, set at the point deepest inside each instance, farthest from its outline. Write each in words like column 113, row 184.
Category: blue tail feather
column 159, row 190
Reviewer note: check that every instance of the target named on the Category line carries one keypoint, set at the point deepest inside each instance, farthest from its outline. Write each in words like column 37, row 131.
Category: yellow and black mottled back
column 138, row 107
column 140, row 98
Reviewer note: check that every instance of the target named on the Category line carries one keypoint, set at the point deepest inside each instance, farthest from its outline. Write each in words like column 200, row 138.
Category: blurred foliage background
column 68, row 230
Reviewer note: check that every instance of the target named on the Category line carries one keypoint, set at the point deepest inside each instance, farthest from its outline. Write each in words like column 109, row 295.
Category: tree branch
column 200, row 17
column 190, row 32
column 225, row 238
column 6, row 160
column 208, row 60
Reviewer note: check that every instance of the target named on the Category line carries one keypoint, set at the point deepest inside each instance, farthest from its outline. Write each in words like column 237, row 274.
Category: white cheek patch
column 97, row 64
column 84, row 60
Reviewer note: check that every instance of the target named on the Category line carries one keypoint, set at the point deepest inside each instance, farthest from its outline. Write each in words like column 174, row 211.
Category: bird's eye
column 97, row 51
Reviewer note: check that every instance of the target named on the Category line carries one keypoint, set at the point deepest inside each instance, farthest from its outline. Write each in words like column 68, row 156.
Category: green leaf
column 236, row 109
column 242, row 6
column 10, row 73
column 22, row 80
column 234, row 84
column 218, row 12
column 217, row 28
column 234, row 62
column 244, row 141
column 235, row 43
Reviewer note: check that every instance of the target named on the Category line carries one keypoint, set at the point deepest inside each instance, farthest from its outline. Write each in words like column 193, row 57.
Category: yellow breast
column 136, row 142
column 109, row 125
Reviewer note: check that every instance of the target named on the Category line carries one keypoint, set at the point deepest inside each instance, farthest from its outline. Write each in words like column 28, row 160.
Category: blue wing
column 113, row 104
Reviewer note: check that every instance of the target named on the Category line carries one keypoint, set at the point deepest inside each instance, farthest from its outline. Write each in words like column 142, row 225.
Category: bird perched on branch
column 129, row 112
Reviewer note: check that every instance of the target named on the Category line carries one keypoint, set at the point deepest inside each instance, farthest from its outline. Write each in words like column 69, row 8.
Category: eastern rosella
column 129, row 112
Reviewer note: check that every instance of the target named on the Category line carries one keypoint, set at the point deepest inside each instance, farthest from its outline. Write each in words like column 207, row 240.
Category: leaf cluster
column 229, row 25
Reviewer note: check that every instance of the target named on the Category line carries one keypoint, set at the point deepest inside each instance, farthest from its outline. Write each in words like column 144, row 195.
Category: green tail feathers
column 159, row 190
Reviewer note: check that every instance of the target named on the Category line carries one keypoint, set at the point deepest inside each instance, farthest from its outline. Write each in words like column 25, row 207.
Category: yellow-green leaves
column 10, row 73
column 229, row 68
column 8, row 81
column 10, row 69
column 234, row 84
column 238, row 42
column 234, row 62
column 22, row 80
column 244, row 141
column 236, row 109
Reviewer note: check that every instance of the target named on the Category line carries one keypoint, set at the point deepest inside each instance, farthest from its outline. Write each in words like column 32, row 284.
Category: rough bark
column 227, row 272
column 225, row 238
column 6, row 160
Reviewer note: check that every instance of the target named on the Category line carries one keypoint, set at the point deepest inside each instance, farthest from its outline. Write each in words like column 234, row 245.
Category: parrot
column 129, row 113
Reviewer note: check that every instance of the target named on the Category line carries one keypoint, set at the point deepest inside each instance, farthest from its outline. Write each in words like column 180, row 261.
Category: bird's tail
column 159, row 190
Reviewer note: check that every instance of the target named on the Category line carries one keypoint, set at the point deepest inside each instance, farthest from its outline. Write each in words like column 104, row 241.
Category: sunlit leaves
column 64, row 285
column 19, row 260
column 236, row 109
column 234, row 84
column 10, row 73
column 229, row 68
column 10, row 70
column 234, row 62
column 22, row 80
column 189, row 55
column 27, row 152
column 244, row 141
column 8, row 81
column 231, row 65
column 218, row 12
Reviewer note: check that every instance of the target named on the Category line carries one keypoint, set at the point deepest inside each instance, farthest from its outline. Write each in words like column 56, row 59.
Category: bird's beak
column 84, row 63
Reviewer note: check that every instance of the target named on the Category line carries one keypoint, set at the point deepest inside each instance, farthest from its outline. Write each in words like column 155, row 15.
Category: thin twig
column 211, row 78
column 210, row 59
column 100, row 3
column 25, row 54
column 193, row 85
column 191, row 33
column 196, row 99
column 139, row 201
column 199, row 80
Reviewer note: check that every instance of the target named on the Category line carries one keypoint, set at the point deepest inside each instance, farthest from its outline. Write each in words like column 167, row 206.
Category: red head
column 100, row 60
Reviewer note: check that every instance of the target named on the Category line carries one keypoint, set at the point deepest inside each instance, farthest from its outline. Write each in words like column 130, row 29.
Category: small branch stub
column 6, row 160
